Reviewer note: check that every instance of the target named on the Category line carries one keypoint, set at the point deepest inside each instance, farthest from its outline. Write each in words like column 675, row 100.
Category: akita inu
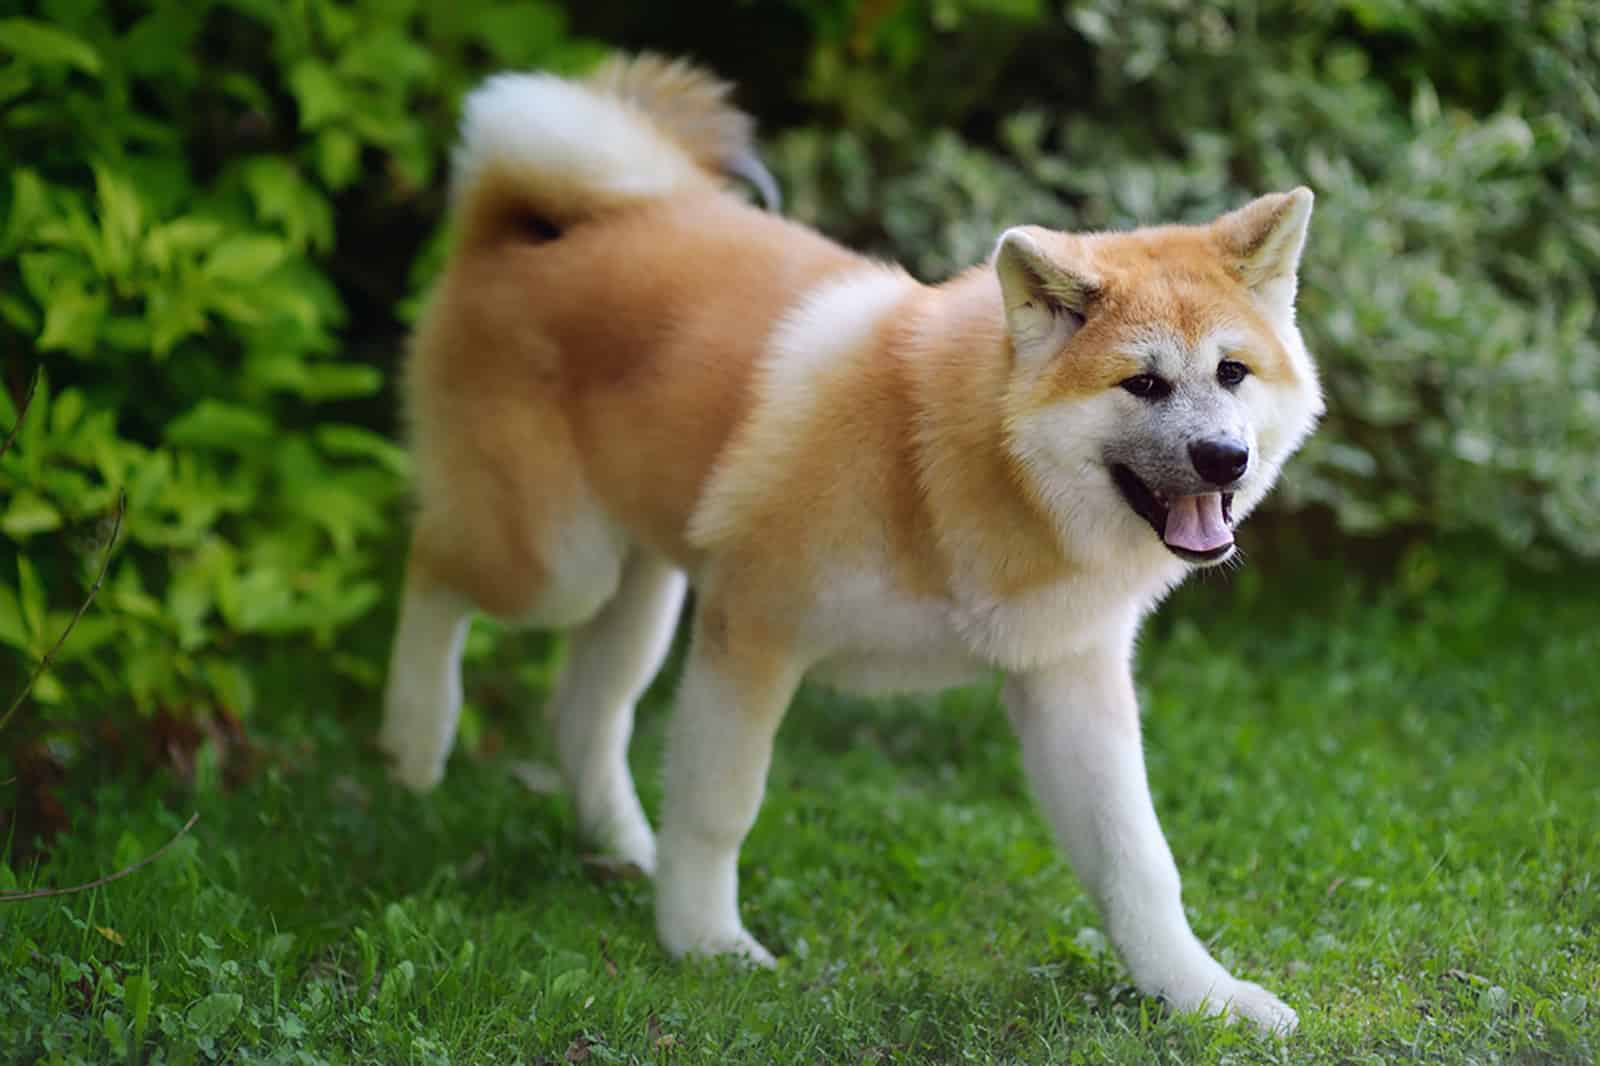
column 628, row 379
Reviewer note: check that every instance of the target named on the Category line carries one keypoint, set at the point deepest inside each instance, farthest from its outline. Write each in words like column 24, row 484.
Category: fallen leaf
column 1467, row 978
column 658, row 1039
column 110, row 934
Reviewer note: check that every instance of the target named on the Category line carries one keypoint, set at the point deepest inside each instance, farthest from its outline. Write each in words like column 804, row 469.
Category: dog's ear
column 1262, row 242
column 1046, row 298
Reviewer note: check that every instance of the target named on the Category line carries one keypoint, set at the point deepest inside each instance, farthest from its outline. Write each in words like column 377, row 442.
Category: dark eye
column 1147, row 386
column 1231, row 372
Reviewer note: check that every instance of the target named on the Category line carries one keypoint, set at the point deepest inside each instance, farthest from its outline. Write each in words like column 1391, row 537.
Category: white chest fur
column 873, row 639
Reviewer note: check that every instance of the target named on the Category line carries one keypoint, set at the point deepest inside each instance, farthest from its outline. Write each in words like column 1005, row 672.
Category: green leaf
column 233, row 687
column 338, row 157
column 126, row 593
column 65, row 412
column 121, row 219
column 29, row 204
column 13, row 628
column 71, row 320
column 223, row 426
column 30, row 594
column 516, row 33
column 116, row 1035
column 91, row 631
column 357, row 443
column 44, row 45
column 137, row 994
column 182, row 236
column 282, row 196
column 1021, row 10
column 126, row 333
column 173, row 316
column 19, row 313
column 215, row 1014
column 258, row 601
column 191, row 591
column 29, row 513
column 44, row 272
column 333, row 381
column 245, row 259
column 318, row 92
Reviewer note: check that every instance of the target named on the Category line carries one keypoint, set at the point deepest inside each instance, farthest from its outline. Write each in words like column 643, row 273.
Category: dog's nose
column 1221, row 460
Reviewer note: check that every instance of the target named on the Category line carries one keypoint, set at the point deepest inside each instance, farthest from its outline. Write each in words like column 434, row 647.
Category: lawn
column 1383, row 797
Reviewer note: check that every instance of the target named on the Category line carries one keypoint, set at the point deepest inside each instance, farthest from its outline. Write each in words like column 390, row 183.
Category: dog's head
column 1158, row 381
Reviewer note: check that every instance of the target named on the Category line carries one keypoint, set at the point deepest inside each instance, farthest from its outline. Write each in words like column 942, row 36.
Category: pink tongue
column 1196, row 523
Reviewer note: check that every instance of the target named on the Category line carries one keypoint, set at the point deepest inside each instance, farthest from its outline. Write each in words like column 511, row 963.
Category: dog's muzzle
column 1196, row 528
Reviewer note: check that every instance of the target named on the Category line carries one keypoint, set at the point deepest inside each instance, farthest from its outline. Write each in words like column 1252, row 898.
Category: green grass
column 1384, row 803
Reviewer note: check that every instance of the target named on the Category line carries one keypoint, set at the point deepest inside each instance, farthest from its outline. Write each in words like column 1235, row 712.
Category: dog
column 630, row 378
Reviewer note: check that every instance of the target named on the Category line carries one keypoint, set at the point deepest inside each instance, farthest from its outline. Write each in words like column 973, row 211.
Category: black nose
column 1221, row 460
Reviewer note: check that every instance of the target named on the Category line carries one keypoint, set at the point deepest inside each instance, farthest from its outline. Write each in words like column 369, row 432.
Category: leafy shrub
column 174, row 259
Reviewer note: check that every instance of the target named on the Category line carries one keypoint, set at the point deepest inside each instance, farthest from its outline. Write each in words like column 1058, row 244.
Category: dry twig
column 22, row 412
column 44, row 662
column 45, row 893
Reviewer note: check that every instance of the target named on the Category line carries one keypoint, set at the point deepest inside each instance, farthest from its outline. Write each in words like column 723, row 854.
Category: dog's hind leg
column 423, row 699
column 611, row 661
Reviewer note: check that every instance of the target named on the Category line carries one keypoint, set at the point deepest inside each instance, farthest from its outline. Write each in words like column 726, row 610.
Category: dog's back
column 589, row 348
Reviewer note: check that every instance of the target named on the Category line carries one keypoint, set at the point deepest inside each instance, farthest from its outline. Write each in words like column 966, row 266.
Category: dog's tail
column 550, row 152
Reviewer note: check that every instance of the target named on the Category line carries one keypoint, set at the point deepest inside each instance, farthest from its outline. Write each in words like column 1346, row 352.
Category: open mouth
column 1198, row 529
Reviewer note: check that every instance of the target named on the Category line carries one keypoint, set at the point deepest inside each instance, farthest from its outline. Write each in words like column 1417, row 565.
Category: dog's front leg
column 736, row 686
column 1078, row 723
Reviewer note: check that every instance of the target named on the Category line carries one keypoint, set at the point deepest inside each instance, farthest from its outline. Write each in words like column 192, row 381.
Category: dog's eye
column 1231, row 372
column 1147, row 386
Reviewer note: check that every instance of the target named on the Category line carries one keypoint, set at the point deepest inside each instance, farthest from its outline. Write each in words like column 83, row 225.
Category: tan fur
column 858, row 472
column 689, row 104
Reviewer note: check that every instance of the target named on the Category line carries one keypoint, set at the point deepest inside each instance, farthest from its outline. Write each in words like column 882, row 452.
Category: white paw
column 638, row 846
column 1255, row 1004
column 1238, row 999
column 624, row 836
column 417, row 770
column 734, row 944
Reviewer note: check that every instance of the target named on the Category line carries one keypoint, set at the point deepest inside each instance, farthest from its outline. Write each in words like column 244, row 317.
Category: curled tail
column 561, row 150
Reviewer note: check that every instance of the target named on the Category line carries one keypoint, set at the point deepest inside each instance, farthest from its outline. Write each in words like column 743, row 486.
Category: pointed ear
column 1262, row 241
column 1046, row 299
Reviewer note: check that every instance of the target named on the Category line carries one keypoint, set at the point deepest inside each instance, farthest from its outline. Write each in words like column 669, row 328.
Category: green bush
column 183, row 182
column 218, row 215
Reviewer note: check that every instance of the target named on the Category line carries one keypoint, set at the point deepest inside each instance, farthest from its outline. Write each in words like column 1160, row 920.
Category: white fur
column 1043, row 301
column 584, row 560
column 610, row 663
column 566, row 146
column 423, row 699
column 718, row 752
column 819, row 333
column 1079, row 726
